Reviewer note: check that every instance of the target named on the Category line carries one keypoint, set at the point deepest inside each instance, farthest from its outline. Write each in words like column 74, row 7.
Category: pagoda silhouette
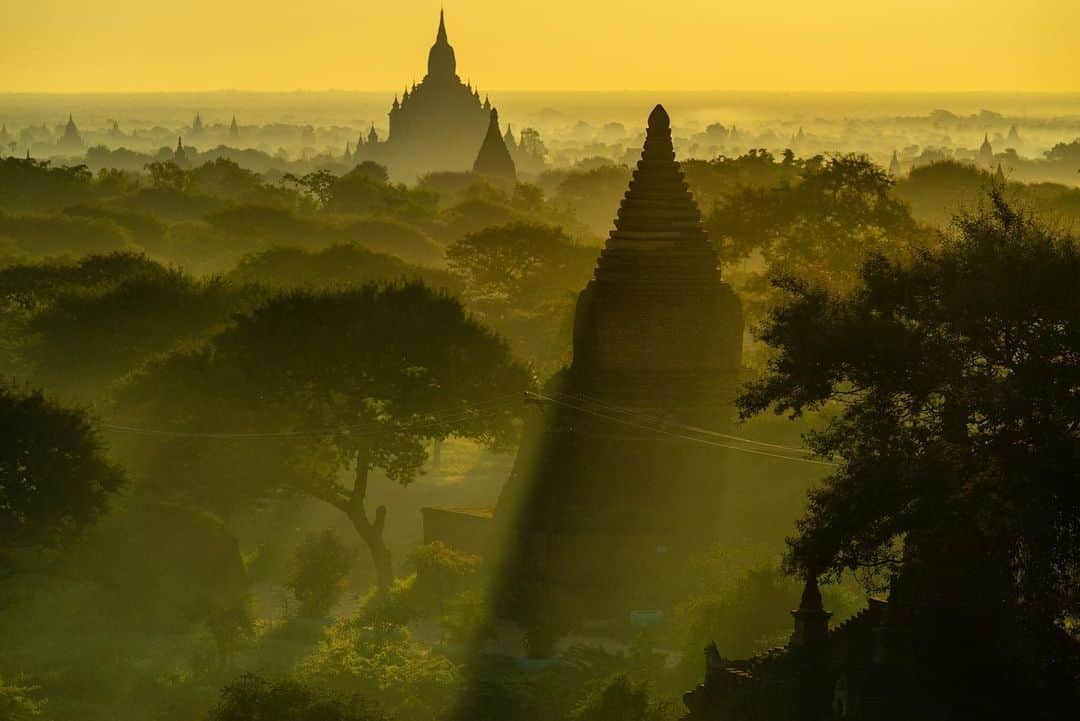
column 438, row 124
column 609, row 495
column 494, row 161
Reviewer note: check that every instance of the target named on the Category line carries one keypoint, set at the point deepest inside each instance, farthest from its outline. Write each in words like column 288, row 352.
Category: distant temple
column 601, row 507
column 234, row 129
column 436, row 125
column 70, row 141
column 986, row 152
column 894, row 166
column 494, row 161
column 180, row 155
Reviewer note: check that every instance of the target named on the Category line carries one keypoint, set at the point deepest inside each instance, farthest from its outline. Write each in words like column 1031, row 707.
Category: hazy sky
column 798, row 45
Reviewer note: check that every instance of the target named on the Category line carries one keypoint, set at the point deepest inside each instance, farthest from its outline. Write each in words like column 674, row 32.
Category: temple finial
column 658, row 119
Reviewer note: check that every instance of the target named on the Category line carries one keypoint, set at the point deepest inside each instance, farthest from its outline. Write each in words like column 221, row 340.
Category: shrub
column 318, row 573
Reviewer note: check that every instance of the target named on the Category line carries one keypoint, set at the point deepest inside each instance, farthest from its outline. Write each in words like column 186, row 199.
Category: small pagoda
column 494, row 161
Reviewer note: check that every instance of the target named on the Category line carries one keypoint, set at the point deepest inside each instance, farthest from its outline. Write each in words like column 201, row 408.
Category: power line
column 692, row 439
column 695, row 429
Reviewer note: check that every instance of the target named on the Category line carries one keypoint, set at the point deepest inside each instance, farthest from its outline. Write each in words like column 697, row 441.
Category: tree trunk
column 372, row 535
column 371, row 532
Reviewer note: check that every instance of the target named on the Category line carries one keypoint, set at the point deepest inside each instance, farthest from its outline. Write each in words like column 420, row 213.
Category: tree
column 337, row 266
column 317, row 577
column 20, row 703
column 253, row 698
column 622, row 699
column 819, row 227
column 84, row 340
column 55, row 479
column 313, row 384
column 222, row 178
column 522, row 263
column 318, row 184
column 953, row 413
column 593, row 194
column 167, row 175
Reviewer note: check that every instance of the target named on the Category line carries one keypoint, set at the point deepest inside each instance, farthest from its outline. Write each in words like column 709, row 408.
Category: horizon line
column 758, row 91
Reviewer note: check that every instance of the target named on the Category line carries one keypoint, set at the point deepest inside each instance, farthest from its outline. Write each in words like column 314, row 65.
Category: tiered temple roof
column 658, row 236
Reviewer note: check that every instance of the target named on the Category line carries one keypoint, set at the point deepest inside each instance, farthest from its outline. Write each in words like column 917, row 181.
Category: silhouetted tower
column 71, row 140
column 1014, row 134
column 196, row 125
column 494, row 159
column 347, row 155
column 811, row 618
column 601, row 516
column 986, row 152
column 372, row 136
column 234, row 129
column 508, row 138
column 180, row 155
column 999, row 175
column 894, row 166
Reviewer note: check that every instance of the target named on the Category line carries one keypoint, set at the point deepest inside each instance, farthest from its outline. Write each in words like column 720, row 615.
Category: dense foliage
column 55, row 479
column 951, row 388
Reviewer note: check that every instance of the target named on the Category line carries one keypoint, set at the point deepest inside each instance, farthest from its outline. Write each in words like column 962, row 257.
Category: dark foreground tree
column 951, row 384
column 312, row 385
column 54, row 477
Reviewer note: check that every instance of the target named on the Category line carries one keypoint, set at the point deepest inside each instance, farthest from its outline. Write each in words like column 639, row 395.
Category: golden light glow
column 798, row 45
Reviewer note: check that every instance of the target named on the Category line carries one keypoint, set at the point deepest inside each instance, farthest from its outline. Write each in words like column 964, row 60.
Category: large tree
column 312, row 385
column 951, row 385
column 55, row 479
column 92, row 332
column 818, row 222
column 521, row 263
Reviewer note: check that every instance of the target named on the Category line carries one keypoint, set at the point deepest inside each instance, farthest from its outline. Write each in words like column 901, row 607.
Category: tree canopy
column 950, row 391
column 522, row 263
column 312, row 383
column 55, row 479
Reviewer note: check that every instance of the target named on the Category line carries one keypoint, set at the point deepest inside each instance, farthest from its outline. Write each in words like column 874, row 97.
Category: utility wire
column 684, row 426
column 672, row 434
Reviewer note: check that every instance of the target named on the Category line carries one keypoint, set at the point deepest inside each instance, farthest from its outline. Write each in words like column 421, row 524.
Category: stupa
column 603, row 503
column 494, row 161
column 71, row 141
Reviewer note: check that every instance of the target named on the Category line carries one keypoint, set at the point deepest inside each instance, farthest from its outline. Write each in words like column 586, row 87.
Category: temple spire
column 658, row 204
column 811, row 618
column 441, row 60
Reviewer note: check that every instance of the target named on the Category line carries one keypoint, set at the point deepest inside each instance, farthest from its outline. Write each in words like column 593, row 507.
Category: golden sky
column 796, row 45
